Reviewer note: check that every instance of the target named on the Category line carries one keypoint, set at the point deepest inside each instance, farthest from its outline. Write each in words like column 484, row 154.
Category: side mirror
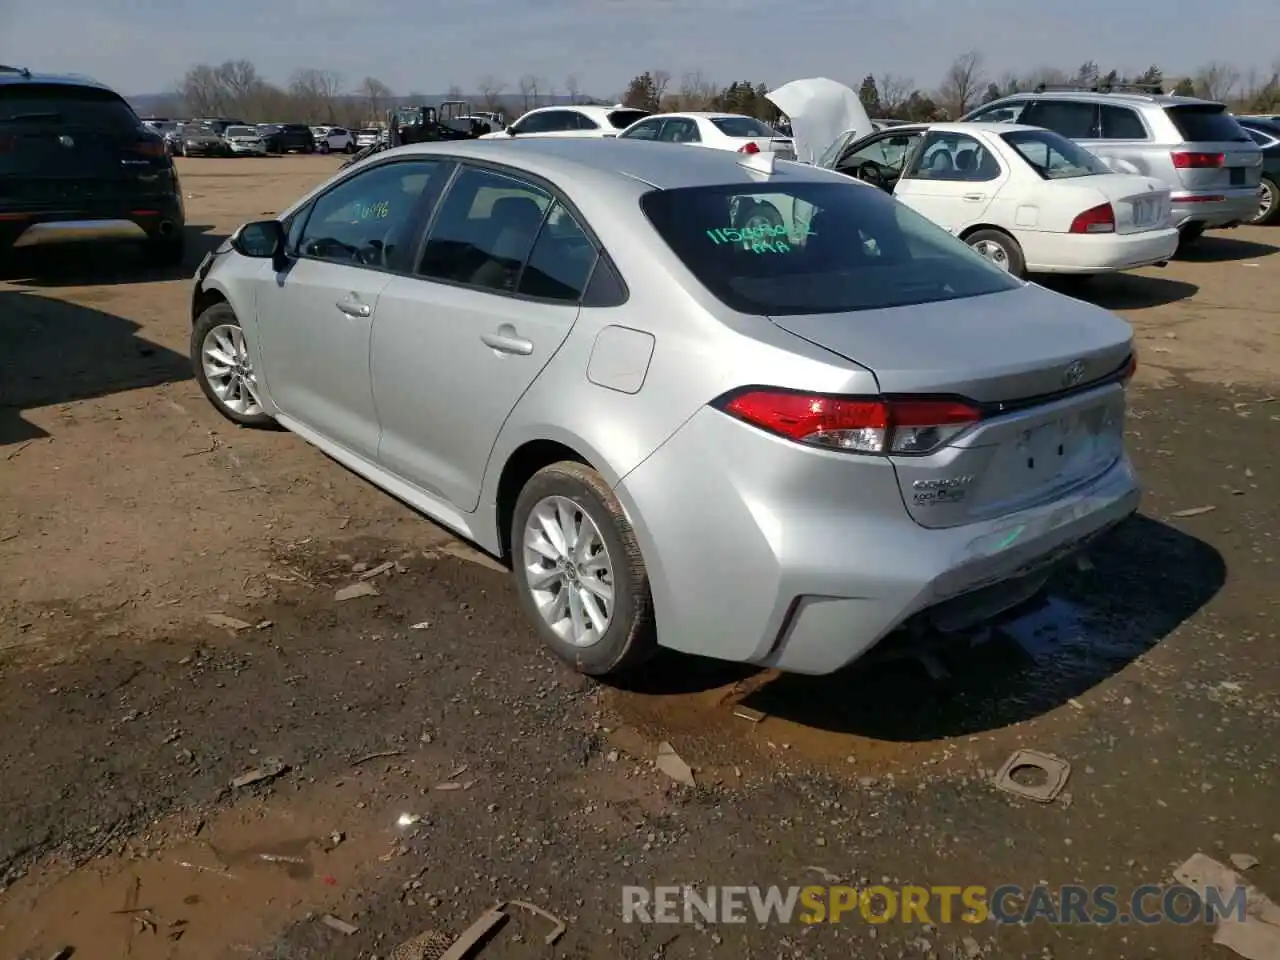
column 259, row 239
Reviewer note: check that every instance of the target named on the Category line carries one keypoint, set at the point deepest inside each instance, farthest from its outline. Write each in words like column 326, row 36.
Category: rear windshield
column 1207, row 123
column 65, row 104
column 815, row 247
column 242, row 131
column 743, row 127
column 621, row 119
column 1053, row 156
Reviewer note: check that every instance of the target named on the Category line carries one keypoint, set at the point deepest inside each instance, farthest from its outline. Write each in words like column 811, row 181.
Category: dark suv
column 288, row 137
column 76, row 163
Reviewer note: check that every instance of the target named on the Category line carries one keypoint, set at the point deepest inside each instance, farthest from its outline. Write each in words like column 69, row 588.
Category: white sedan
column 1027, row 199
column 334, row 139
column 578, row 121
column 719, row 131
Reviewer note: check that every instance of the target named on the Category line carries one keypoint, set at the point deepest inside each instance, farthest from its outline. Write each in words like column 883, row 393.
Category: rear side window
column 621, row 119
column 1073, row 119
column 1121, row 123
column 1054, row 157
column 743, row 127
column 1206, row 123
column 815, row 247
column 65, row 104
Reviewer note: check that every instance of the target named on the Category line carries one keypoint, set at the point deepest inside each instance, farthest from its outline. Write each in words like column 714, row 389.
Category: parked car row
column 227, row 137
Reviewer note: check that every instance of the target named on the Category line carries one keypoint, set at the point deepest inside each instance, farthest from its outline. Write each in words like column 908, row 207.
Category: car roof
column 592, row 109
column 574, row 160
column 18, row 75
column 960, row 126
column 701, row 115
column 1123, row 96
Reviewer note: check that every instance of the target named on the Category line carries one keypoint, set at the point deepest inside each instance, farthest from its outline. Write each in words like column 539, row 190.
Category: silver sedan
column 726, row 404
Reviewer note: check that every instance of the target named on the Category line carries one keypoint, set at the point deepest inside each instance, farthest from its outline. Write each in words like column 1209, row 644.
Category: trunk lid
column 1139, row 203
column 1027, row 356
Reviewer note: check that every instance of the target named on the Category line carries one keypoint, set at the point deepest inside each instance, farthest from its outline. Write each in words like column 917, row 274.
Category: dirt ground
column 134, row 522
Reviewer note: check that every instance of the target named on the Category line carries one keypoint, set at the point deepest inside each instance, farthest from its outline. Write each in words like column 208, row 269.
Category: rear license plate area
column 1045, row 450
column 1237, row 176
column 1144, row 213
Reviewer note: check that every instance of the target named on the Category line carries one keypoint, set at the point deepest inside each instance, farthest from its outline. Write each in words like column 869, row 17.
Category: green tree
column 1087, row 75
column 993, row 93
column 869, row 94
column 642, row 93
column 1110, row 80
column 1185, row 88
column 920, row 108
column 1153, row 75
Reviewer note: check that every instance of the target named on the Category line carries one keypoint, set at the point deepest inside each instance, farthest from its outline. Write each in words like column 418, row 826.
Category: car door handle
column 506, row 341
column 354, row 309
column 974, row 196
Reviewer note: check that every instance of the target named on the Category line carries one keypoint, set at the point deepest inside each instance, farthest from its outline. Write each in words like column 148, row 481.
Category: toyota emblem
column 66, row 141
column 1073, row 374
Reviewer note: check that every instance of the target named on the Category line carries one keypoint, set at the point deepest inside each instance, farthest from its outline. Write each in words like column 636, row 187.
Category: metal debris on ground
column 361, row 588
column 1055, row 769
column 556, row 932
column 1257, row 936
column 1191, row 512
column 825, row 874
column 420, row 625
column 408, row 820
column 63, row 954
column 270, row 768
column 1243, row 861
column 377, row 571
column 229, row 623
column 333, row 923
column 748, row 713
column 428, row 945
column 670, row 763
column 484, row 927
column 376, row 756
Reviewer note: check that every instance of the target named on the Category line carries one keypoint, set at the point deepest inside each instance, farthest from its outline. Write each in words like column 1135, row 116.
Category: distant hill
column 150, row 104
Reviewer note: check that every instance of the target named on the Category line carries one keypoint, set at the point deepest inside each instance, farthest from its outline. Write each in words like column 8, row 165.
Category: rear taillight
column 1185, row 160
column 1131, row 367
column 149, row 148
column 749, row 147
column 908, row 427
column 1099, row 219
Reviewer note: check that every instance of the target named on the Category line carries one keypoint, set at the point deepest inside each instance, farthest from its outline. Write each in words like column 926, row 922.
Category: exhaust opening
column 167, row 228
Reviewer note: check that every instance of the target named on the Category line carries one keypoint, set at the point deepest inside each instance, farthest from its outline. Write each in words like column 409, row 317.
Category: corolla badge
column 66, row 141
column 1073, row 374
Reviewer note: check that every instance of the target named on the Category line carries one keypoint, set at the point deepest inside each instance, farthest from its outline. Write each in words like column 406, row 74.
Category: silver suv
column 1194, row 145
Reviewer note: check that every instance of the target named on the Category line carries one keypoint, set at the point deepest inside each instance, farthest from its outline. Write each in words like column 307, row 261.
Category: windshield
column 815, row 247
column 1053, row 156
column 832, row 153
column 743, row 127
column 65, row 103
column 242, row 131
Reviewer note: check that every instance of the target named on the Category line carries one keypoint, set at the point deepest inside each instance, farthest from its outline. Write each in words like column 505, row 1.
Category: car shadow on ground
column 1123, row 291
column 52, row 351
column 105, row 264
column 1147, row 579
column 1215, row 248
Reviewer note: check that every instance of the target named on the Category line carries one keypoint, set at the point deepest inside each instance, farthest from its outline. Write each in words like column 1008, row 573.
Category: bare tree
column 661, row 80
column 696, row 91
column 572, row 88
column 453, row 93
column 1217, row 81
column 490, row 89
column 316, row 93
column 963, row 83
column 529, row 91
column 377, row 97
column 895, row 91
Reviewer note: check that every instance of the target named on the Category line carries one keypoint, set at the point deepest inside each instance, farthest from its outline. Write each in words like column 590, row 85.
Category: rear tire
column 591, row 550
column 219, row 322
column 1268, row 203
column 1189, row 236
column 999, row 248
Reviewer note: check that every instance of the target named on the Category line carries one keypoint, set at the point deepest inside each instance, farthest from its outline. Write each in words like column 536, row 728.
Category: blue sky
column 144, row 46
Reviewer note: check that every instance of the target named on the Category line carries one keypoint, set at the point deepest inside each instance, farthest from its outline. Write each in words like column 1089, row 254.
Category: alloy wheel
column 568, row 570
column 227, row 367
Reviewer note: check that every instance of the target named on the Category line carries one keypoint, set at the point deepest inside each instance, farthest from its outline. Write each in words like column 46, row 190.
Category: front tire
column 221, row 364
column 999, row 248
column 579, row 573
column 1268, row 203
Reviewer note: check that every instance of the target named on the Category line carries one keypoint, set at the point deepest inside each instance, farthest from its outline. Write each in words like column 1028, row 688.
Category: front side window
column 582, row 122
column 367, row 220
column 953, row 157
column 1054, row 157
column 679, row 130
column 815, row 247
column 643, row 131
column 485, row 230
